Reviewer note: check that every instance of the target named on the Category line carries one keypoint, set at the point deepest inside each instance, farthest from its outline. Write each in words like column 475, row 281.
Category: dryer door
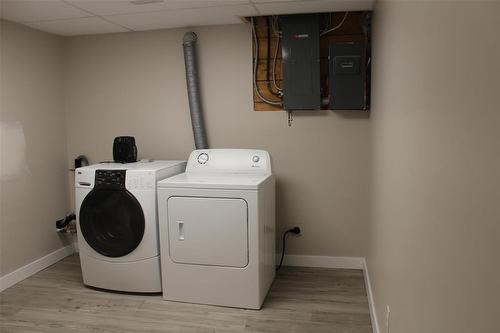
column 208, row 231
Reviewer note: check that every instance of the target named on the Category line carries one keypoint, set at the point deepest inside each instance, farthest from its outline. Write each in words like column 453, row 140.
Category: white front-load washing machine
column 116, row 210
column 217, row 229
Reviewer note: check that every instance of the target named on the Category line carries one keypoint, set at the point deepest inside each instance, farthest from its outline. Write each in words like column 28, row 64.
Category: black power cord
column 295, row 231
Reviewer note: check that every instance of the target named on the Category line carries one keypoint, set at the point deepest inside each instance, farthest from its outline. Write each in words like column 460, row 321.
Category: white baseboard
column 336, row 262
column 371, row 302
column 322, row 261
column 33, row 267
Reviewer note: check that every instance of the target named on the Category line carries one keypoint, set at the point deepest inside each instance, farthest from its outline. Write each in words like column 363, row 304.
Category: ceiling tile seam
column 103, row 17
column 117, row 24
column 180, row 10
column 255, row 7
column 95, row 15
column 77, row 18
column 60, row 19
column 57, row 20
column 175, row 10
column 165, row 10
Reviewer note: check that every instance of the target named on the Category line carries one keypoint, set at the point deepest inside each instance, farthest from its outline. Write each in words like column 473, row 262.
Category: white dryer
column 116, row 210
column 217, row 229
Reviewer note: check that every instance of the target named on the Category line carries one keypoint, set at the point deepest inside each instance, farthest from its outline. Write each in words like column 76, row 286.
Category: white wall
column 434, row 256
column 33, row 174
column 134, row 84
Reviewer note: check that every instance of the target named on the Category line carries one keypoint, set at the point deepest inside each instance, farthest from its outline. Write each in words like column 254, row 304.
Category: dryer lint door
column 208, row 231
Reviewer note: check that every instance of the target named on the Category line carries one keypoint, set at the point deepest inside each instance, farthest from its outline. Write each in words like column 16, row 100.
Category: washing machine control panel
column 141, row 181
column 113, row 179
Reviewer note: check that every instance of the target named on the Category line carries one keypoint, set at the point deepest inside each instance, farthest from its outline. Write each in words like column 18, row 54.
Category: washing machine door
column 111, row 218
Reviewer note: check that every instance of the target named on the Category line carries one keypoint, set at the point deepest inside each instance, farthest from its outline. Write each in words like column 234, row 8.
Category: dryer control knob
column 203, row 158
column 255, row 159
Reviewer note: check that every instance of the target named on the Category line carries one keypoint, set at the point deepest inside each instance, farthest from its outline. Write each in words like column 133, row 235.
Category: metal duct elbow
column 193, row 88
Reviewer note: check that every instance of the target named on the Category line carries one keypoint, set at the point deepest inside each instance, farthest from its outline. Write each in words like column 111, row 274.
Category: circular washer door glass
column 112, row 222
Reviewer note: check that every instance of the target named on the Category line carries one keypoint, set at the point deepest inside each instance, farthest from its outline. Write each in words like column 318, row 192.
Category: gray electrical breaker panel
column 301, row 61
column 348, row 76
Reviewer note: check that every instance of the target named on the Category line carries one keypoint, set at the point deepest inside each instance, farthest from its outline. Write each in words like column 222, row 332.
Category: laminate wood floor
column 300, row 300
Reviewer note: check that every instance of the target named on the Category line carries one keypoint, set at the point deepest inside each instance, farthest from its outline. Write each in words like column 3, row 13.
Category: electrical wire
column 274, row 25
column 278, row 33
column 255, row 64
column 280, row 90
column 268, row 60
column 335, row 27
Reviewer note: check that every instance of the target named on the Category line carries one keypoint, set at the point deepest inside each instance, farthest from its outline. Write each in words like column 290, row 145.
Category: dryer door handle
column 180, row 225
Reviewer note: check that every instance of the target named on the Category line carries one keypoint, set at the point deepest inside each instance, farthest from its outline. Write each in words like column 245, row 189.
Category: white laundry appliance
column 217, row 229
column 116, row 210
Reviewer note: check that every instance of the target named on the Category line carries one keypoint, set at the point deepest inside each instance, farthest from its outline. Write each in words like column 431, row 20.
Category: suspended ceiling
column 83, row 17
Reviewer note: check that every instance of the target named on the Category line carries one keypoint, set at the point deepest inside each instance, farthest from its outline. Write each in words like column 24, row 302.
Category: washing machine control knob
column 203, row 158
column 256, row 159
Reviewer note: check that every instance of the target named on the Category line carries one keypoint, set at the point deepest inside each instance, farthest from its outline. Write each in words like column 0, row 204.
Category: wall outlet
column 388, row 318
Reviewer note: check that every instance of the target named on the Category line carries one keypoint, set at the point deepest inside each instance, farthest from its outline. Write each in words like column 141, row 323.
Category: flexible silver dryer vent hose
column 193, row 88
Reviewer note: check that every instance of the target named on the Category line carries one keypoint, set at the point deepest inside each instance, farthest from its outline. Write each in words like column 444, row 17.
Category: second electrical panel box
column 301, row 62
column 348, row 76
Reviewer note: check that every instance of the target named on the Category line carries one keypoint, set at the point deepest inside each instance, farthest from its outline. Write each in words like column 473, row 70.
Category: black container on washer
column 124, row 149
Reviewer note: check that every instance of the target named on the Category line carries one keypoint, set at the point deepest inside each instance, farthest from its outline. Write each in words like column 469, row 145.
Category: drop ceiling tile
column 116, row 7
column 38, row 10
column 79, row 26
column 313, row 6
column 182, row 18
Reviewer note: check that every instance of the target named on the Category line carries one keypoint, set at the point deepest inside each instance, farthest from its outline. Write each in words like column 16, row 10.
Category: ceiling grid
column 84, row 17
